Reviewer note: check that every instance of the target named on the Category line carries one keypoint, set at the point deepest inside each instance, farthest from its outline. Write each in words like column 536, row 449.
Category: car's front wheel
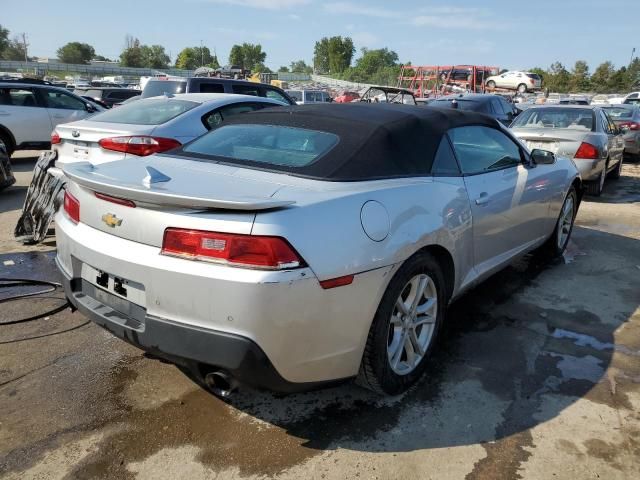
column 491, row 84
column 522, row 88
column 405, row 327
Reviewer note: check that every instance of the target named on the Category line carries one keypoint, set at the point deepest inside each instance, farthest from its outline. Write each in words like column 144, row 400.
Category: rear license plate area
column 115, row 285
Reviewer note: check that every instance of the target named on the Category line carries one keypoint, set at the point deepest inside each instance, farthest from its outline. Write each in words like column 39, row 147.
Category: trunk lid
column 79, row 140
column 194, row 195
column 561, row 141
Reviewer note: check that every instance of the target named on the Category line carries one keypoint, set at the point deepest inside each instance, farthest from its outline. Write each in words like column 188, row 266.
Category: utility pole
column 201, row 55
column 632, row 53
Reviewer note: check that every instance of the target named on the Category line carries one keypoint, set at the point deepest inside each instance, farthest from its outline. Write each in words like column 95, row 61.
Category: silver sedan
column 293, row 247
column 581, row 132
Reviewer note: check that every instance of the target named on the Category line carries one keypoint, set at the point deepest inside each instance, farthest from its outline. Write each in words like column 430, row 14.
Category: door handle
column 483, row 199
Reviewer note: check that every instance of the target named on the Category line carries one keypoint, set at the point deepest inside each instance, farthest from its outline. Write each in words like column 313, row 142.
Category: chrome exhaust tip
column 221, row 383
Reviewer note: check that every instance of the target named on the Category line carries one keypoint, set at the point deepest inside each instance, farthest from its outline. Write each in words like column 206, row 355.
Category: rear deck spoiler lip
column 82, row 173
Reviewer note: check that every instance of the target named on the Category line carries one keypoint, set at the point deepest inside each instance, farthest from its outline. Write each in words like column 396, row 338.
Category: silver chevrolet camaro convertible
column 298, row 246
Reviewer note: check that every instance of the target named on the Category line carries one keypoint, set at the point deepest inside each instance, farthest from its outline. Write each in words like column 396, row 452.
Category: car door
column 616, row 139
column 62, row 106
column 22, row 112
column 509, row 199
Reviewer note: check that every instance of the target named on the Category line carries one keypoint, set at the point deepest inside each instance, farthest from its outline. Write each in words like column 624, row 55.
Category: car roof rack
column 32, row 81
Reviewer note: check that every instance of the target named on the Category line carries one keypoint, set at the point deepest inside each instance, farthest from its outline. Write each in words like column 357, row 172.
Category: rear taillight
column 140, row 145
column 72, row 207
column 587, row 151
column 55, row 138
column 630, row 125
column 271, row 253
column 533, row 82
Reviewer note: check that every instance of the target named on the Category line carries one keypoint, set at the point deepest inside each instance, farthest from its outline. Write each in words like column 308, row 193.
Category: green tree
column 340, row 54
column 131, row 56
column 4, row 40
column 247, row 56
column 76, row 52
column 558, row 78
column 633, row 75
column 100, row 58
column 300, row 67
column 191, row 58
column 283, row 69
column 580, row 81
column 618, row 81
column 14, row 50
column 261, row 68
column 321, row 56
column 154, row 56
column 601, row 78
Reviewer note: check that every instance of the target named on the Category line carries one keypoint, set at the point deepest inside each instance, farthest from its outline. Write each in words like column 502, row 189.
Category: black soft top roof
column 376, row 140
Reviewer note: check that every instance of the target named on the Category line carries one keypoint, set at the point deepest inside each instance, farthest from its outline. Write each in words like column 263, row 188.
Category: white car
column 30, row 109
column 514, row 80
column 304, row 97
column 147, row 126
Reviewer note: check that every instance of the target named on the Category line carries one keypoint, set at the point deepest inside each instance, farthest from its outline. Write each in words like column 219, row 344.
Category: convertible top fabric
column 376, row 140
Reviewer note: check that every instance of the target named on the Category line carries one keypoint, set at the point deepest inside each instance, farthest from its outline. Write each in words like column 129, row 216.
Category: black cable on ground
column 22, row 282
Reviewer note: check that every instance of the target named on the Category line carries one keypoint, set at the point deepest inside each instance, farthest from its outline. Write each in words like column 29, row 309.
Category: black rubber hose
column 19, row 282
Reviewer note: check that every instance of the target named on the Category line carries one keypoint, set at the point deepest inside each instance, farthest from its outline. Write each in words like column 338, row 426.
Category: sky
column 488, row 32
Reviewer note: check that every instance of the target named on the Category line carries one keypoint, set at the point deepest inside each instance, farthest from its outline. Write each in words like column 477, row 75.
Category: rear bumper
column 188, row 309
column 180, row 343
column 589, row 169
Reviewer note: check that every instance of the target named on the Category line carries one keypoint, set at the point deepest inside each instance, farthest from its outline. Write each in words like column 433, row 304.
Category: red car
column 347, row 97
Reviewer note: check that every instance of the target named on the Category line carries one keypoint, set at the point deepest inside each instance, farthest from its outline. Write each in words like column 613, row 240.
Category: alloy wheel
column 412, row 324
column 565, row 222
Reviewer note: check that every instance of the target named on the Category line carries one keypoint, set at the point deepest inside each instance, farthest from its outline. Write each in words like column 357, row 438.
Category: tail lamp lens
column 140, row 145
column 587, row 151
column 55, row 138
column 72, row 207
column 270, row 253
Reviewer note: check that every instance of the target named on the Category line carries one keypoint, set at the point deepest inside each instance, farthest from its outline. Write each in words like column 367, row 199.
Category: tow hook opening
column 220, row 383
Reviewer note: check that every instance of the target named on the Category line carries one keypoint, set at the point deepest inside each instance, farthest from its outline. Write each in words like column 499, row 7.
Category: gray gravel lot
column 537, row 376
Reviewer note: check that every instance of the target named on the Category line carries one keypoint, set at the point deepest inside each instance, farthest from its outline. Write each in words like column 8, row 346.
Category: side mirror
column 542, row 157
column 90, row 108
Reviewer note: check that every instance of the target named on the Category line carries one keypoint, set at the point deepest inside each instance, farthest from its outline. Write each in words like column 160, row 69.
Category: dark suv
column 107, row 96
column 156, row 87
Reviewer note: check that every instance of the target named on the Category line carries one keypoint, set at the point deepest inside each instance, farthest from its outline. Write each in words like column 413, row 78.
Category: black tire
column 551, row 248
column 376, row 373
column 491, row 84
column 8, row 144
column 595, row 188
column 522, row 88
column 616, row 172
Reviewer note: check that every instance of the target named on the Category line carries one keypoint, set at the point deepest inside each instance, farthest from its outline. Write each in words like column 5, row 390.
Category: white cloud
column 293, row 16
column 455, row 21
column 364, row 10
column 264, row 4
column 237, row 33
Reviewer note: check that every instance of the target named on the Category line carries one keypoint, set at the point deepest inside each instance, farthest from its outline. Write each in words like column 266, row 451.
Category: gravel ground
column 537, row 376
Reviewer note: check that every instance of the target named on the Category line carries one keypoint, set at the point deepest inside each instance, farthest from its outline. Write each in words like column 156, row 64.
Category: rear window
column 155, row 88
column 535, row 76
column 295, row 94
column 264, row 144
column 152, row 111
column 574, row 118
column 93, row 93
column 469, row 105
column 619, row 112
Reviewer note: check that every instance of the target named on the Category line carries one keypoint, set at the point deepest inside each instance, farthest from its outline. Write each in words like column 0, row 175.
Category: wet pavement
column 537, row 375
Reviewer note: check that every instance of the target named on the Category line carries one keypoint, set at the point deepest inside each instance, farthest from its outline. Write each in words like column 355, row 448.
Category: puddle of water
column 583, row 340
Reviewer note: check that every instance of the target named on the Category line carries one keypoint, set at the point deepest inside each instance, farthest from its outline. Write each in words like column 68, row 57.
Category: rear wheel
column 522, row 88
column 595, row 188
column 616, row 172
column 405, row 327
column 6, row 142
column 558, row 241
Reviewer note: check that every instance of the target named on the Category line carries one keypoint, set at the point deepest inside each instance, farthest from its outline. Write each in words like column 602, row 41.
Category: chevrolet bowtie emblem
column 111, row 220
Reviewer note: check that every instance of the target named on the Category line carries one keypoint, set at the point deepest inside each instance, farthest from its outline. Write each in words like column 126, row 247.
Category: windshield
column 574, row 118
column 265, row 144
column 155, row 88
column 619, row 112
column 468, row 105
column 152, row 111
